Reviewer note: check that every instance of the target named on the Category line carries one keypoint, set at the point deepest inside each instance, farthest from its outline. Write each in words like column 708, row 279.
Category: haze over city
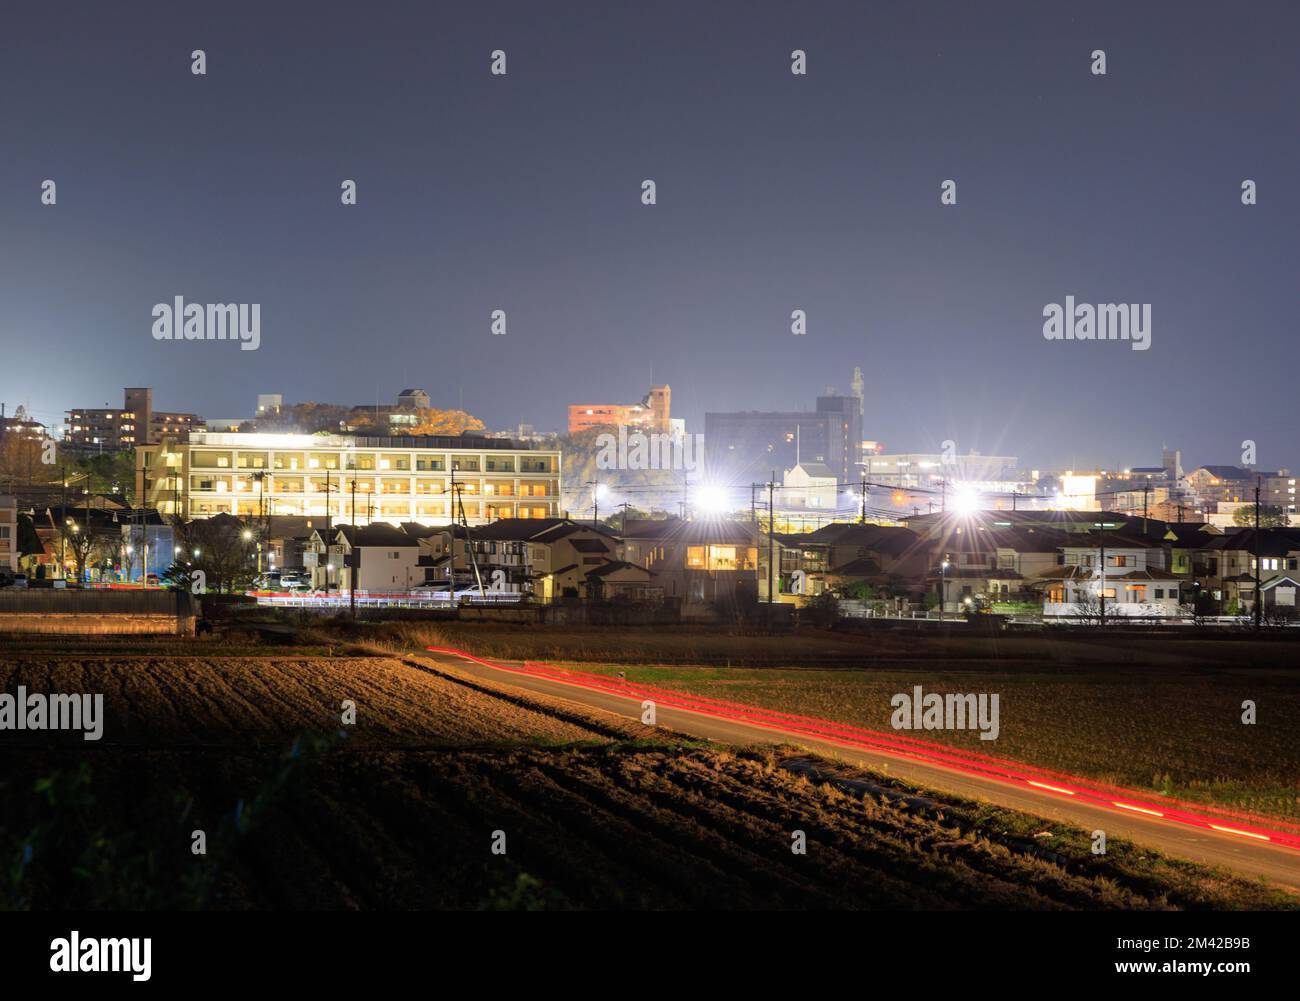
column 775, row 193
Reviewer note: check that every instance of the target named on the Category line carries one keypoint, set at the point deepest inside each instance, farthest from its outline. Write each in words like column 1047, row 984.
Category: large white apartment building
column 396, row 479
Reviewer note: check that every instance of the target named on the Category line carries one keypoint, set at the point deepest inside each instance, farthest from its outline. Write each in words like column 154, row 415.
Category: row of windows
column 398, row 462
column 393, row 487
column 204, row 508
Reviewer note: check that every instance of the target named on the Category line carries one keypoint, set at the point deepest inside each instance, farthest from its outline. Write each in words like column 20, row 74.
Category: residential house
column 887, row 557
column 544, row 558
column 1225, row 566
column 1124, row 575
column 383, row 558
column 700, row 562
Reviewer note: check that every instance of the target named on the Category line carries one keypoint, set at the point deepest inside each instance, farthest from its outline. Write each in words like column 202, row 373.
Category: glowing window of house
column 722, row 555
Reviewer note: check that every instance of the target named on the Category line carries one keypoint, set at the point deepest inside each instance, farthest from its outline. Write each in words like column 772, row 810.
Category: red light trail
column 1011, row 773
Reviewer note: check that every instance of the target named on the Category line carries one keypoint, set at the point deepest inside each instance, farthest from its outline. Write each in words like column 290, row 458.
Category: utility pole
column 1102, row 589
column 771, row 540
column 862, row 517
column 90, row 549
column 451, row 532
column 263, row 535
column 63, row 528
column 943, row 586
column 1259, row 604
column 624, row 505
column 356, row 560
column 595, row 501
column 469, row 546
column 1014, row 494
column 328, row 526
column 1146, row 489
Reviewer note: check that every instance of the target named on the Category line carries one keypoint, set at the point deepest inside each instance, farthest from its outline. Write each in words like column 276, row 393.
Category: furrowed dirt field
column 400, row 811
column 268, row 700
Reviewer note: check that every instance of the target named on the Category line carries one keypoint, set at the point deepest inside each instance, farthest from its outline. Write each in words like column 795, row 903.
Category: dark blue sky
column 775, row 192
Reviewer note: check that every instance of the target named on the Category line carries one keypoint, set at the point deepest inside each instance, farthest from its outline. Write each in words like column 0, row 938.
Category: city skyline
column 1192, row 458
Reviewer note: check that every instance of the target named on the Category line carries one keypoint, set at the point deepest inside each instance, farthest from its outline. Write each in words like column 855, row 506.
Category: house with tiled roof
column 1125, row 574
column 1226, row 565
column 699, row 561
column 544, row 558
column 834, row 557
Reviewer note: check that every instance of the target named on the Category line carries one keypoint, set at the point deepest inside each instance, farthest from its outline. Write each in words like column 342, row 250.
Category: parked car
column 16, row 580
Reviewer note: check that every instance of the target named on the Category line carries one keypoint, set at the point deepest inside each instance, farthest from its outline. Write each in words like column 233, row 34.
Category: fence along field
column 597, row 812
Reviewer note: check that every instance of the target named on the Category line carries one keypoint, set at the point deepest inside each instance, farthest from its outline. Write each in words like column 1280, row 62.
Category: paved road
column 1277, row 864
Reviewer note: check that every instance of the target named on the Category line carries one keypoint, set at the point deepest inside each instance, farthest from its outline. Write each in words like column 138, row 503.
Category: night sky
column 775, row 192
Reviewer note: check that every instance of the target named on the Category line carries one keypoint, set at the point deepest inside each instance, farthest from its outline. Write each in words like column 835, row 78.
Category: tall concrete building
column 745, row 447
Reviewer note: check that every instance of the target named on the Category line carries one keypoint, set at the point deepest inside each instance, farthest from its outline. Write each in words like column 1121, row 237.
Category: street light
column 943, row 586
column 711, row 499
column 966, row 501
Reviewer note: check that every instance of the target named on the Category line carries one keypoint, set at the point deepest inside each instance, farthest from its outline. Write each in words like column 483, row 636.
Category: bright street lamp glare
column 711, row 499
column 966, row 502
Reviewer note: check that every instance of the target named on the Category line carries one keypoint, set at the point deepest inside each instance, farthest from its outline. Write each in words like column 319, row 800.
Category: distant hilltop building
column 416, row 399
column 651, row 414
column 134, row 423
column 21, row 425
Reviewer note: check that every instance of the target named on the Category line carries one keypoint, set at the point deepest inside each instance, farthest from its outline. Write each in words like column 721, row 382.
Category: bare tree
column 222, row 546
column 1088, row 607
column 82, row 539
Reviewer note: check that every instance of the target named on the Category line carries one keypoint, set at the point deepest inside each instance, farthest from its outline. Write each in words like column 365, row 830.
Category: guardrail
column 381, row 599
